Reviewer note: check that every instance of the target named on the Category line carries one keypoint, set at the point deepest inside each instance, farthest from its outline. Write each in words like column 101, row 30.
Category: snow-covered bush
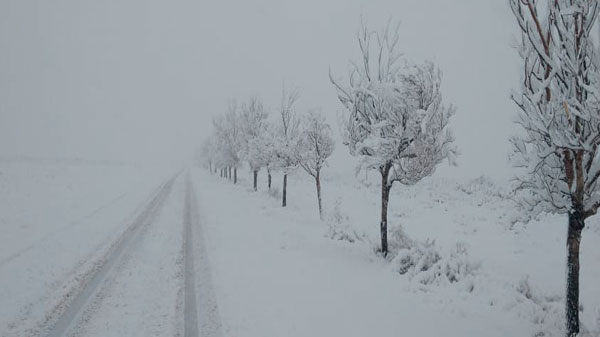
column 423, row 263
column 542, row 310
column 345, row 232
column 339, row 227
column 484, row 187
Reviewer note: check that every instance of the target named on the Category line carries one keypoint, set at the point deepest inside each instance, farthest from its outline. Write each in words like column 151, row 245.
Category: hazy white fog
column 141, row 79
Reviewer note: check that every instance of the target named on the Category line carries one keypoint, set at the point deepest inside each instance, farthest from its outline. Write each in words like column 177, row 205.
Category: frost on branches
column 253, row 120
column 286, row 149
column 315, row 146
column 560, row 119
column 228, row 141
column 396, row 121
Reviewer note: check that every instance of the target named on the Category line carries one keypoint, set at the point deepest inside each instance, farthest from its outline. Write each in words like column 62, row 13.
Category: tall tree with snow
column 316, row 145
column 286, row 149
column 559, row 111
column 396, row 122
column 253, row 120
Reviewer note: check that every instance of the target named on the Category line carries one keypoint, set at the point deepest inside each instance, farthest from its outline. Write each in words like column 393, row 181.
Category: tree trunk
column 229, row 172
column 318, row 181
column 255, row 176
column 235, row 175
column 269, row 179
column 576, row 224
column 385, row 197
column 284, row 202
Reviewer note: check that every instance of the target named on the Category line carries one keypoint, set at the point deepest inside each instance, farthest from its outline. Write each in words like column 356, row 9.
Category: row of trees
column 246, row 135
column 397, row 124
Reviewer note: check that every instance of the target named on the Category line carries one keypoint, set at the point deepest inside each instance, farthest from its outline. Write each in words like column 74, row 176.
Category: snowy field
column 283, row 272
column 264, row 270
column 58, row 219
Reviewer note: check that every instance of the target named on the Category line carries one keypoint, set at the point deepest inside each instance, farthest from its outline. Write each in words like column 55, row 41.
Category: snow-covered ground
column 58, row 220
column 283, row 272
column 101, row 248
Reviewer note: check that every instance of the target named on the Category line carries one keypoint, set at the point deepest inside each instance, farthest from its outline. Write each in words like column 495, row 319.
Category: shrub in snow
column 484, row 188
column 344, row 232
column 339, row 229
column 542, row 310
column 336, row 215
column 422, row 261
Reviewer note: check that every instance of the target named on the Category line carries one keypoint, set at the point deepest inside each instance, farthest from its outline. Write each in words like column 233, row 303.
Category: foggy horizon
column 141, row 80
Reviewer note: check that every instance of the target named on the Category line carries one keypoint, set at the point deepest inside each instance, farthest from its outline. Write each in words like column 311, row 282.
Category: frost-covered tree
column 208, row 153
column 316, row 145
column 396, row 122
column 559, row 112
column 286, row 146
column 266, row 145
column 229, row 141
column 253, row 120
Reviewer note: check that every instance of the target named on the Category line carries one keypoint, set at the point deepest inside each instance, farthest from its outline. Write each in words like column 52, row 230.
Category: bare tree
column 396, row 121
column 559, row 112
column 316, row 145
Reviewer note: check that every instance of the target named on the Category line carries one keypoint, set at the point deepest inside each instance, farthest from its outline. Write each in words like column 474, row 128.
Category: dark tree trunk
column 221, row 171
column 576, row 224
column 318, row 182
column 385, row 197
column 255, row 176
column 284, row 202
column 269, row 179
column 229, row 172
column 235, row 175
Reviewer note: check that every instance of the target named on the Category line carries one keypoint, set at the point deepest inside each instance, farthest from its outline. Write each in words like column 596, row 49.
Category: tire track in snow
column 190, row 310
column 201, row 313
column 124, row 243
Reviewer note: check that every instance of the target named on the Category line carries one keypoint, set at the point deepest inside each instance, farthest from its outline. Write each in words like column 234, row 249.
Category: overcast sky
column 141, row 79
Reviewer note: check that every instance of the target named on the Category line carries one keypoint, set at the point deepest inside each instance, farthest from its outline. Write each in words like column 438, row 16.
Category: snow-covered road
column 136, row 277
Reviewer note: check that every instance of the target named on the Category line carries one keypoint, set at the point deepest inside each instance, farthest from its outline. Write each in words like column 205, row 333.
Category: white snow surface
column 58, row 218
column 281, row 271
